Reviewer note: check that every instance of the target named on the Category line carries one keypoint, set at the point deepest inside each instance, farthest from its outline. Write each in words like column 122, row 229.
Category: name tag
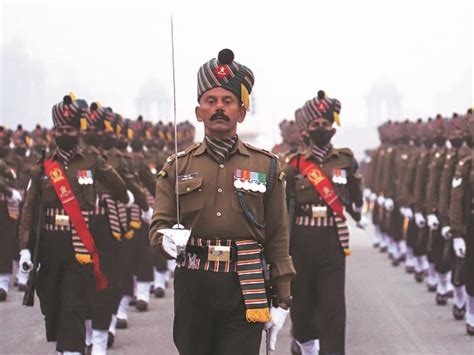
column 61, row 220
column 218, row 253
column 319, row 211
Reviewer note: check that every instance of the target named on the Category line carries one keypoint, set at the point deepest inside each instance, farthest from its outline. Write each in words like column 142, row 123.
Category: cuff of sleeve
column 282, row 286
column 282, row 267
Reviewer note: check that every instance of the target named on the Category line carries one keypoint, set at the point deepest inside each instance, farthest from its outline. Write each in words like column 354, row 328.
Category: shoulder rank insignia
column 162, row 173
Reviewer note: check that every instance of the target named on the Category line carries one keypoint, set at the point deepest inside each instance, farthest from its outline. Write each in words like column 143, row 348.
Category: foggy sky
column 109, row 52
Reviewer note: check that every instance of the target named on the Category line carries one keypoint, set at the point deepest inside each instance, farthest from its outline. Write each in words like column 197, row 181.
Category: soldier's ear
column 197, row 110
column 242, row 114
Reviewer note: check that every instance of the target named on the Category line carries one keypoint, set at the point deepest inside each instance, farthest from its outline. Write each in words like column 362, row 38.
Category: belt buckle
column 218, row 253
column 319, row 211
column 61, row 220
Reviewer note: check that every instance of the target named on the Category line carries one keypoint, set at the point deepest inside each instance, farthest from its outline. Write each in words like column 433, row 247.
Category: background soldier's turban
column 71, row 111
column 226, row 73
column 321, row 106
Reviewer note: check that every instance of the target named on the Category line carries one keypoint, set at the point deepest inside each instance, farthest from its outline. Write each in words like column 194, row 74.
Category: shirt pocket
column 190, row 194
column 305, row 192
column 253, row 201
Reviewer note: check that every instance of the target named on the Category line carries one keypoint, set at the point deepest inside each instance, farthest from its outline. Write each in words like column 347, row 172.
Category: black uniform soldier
column 322, row 182
column 232, row 197
column 67, row 253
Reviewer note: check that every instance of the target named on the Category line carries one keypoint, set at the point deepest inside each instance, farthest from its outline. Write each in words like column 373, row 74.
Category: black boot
column 459, row 313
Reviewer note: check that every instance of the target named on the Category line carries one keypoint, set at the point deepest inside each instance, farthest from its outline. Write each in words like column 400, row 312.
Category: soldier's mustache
column 219, row 116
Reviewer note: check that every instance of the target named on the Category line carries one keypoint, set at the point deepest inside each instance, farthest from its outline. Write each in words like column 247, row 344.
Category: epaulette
column 182, row 153
column 260, row 150
column 291, row 156
column 346, row 151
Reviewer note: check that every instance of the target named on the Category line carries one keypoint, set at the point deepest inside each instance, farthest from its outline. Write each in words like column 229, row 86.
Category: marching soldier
column 322, row 183
column 68, row 256
column 291, row 139
column 232, row 198
column 461, row 215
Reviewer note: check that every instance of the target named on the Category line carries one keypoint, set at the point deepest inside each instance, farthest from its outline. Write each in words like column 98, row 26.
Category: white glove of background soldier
column 380, row 200
column 433, row 221
column 388, row 204
column 459, row 246
column 420, row 220
column 446, row 232
column 147, row 215
column 16, row 196
column 279, row 316
column 25, row 263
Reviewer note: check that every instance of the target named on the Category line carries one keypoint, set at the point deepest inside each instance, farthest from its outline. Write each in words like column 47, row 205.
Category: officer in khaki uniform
column 232, row 198
column 323, row 182
column 461, row 215
column 67, row 253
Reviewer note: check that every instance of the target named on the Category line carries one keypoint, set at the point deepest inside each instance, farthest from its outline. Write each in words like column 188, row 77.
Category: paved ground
column 387, row 314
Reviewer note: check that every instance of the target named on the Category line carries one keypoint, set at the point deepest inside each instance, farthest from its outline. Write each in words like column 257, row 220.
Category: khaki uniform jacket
column 401, row 160
column 407, row 176
column 435, row 169
column 389, row 179
column 301, row 189
column 462, row 195
column 85, row 195
column 421, row 176
column 116, row 160
column 452, row 158
column 210, row 208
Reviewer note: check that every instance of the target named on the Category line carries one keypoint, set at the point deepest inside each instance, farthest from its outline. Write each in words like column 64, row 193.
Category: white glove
column 367, row 193
column 408, row 213
column 420, row 220
column 380, row 200
column 433, row 221
column 389, row 205
column 446, row 232
column 177, row 236
column 25, row 261
column 131, row 199
column 363, row 223
column 373, row 197
column 279, row 316
column 459, row 246
column 402, row 211
column 146, row 215
column 16, row 196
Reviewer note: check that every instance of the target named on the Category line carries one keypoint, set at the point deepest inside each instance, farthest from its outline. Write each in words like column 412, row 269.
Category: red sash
column 72, row 208
column 322, row 184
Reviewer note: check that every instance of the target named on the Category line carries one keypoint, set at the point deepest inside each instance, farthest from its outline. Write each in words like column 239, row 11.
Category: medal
column 246, row 185
column 254, row 186
column 238, row 184
column 262, row 188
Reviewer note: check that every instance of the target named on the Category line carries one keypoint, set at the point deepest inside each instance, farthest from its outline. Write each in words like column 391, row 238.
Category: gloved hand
column 363, row 222
column 380, row 200
column 420, row 220
column 174, row 239
column 433, row 222
column 402, row 211
column 279, row 316
column 408, row 213
column 367, row 193
column 459, row 246
column 373, row 197
column 16, row 196
column 25, row 261
column 147, row 215
column 446, row 232
column 389, row 205
column 131, row 199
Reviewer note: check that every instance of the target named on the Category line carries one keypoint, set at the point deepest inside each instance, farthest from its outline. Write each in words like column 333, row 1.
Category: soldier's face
column 220, row 111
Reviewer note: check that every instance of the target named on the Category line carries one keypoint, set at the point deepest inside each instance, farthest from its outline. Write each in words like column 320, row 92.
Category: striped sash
column 248, row 267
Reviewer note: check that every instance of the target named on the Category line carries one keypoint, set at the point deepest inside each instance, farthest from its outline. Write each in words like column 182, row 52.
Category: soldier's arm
column 148, row 179
column 4, row 189
column 110, row 178
column 278, row 238
column 133, row 186
column 164, row 211
column 456, row 206
column 27, row 214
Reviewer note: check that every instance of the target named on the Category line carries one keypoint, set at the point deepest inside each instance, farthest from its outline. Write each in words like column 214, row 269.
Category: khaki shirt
column 85, row 194
column 350, row 192
column 435, row 169
column 461, row 203
column 407, row 176
column 210, row 208
column 452, row 158
column 116, row 160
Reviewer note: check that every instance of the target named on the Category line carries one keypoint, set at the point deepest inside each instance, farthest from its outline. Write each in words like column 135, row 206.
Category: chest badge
column 84, row 177
column 250, row 180
column 339, row 176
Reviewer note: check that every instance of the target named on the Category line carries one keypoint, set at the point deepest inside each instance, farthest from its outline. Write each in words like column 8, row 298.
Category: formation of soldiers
column 420, row 190
column 112, row 173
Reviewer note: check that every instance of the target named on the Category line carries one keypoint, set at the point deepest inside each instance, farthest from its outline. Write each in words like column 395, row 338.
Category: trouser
column 318, row 310
column 64, row 288
column 210, row 315
column 396, row 224
column 443, row 254
column 8, row 239
column 469, row 263
column 105, row 302
column 127, row 254
column 144, row 255
column 412, row 231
